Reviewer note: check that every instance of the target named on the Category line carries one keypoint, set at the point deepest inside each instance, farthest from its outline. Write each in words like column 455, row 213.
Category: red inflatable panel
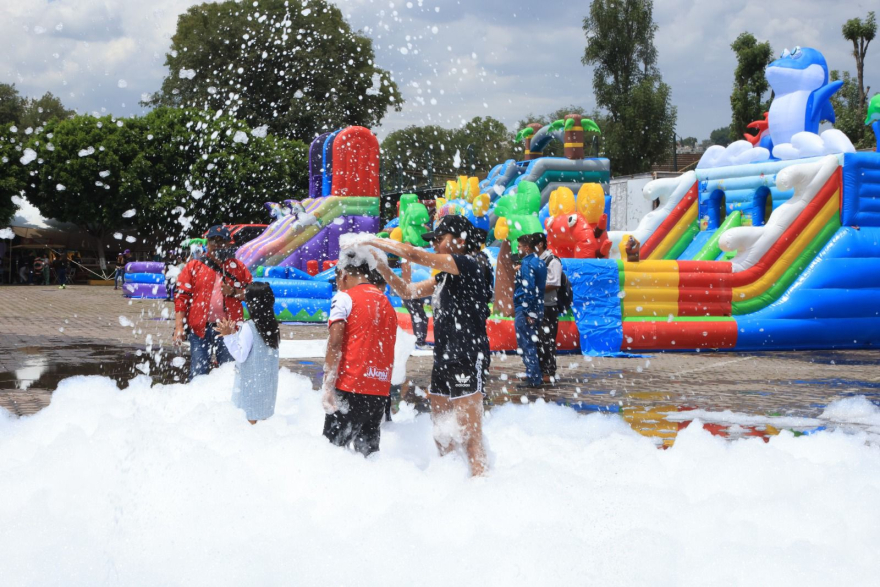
column 502, row 336
column 669, row 222
column 643, row 336
column 356, row 163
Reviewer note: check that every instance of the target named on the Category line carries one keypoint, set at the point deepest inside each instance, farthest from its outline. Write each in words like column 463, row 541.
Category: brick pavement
column 47, row 334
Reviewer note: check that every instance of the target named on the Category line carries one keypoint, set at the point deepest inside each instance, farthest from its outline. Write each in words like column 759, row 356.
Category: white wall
column 628, row 206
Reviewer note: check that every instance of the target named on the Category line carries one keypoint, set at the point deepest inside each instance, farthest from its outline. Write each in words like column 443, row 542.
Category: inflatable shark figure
column 801, row 94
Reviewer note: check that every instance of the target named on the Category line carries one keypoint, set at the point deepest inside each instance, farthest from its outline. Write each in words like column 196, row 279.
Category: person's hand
column 225, row 327
column 179, row 336
column 531, row 320
column 227, row 290
column 380, row 256
column 328, row 400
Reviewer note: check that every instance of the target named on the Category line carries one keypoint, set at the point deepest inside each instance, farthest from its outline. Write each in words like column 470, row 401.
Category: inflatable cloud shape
column 807, row 144
column 736, row 153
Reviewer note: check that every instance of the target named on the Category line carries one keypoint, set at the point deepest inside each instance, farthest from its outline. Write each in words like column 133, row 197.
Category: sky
column 453, row 60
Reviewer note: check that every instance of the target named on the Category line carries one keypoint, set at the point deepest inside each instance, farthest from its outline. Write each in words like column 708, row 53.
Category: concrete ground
column 47, row 334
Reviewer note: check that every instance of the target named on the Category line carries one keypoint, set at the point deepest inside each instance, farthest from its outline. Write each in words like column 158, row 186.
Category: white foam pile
column 354, row 250
column 169, row 485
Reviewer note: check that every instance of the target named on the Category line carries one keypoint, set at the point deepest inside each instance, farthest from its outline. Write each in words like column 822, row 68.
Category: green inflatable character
column 413, row 218
column 518, row 214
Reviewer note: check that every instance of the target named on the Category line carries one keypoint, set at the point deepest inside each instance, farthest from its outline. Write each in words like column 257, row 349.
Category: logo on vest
column 380, row 374
column 463, row 380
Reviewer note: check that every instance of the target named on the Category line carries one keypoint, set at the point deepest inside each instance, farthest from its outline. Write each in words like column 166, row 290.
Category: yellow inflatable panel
column 656, row 309
column 561, row 201
column 591, row 202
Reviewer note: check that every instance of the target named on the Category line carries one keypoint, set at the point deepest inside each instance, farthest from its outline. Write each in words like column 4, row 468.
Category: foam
column 354, row 251
column 169, row 485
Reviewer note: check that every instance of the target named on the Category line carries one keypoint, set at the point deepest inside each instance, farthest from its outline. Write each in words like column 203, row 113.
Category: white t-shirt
column 240, row 343
column 554, row 276
column 340, row 307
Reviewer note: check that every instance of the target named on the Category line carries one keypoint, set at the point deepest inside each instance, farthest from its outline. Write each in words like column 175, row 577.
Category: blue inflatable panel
column 861, row 190
column 835, row 303
column 596, row 285
column 840, row 333
column 298, row 288
column 144, row 278
column 276, row 273
column 698, row 243
column 326, row 276
column 295, row 305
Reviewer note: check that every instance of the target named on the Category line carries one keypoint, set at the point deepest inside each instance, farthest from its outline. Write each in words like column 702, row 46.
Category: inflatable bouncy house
column 144, row 280
column 303, row 238
column 772, row 243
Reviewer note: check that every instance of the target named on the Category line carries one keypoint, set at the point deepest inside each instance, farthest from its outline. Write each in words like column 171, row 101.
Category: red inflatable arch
column 356, row 163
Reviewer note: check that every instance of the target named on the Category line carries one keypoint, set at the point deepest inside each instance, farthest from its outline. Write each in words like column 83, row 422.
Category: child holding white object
column 254, row 347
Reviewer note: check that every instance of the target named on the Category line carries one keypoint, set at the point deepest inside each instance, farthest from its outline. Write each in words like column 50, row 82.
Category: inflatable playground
column 771, row 243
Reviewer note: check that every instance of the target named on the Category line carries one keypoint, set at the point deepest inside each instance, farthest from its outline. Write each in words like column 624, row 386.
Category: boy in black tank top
column 461, row 296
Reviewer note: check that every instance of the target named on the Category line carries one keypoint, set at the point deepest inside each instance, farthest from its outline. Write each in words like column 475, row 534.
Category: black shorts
column 357, row 421
column 460, row 377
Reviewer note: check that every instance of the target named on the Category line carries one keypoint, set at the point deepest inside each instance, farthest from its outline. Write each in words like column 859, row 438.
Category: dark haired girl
column 255, row 349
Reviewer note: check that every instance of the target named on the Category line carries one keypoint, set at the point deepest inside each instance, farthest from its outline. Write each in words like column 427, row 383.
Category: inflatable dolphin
column 801, row 94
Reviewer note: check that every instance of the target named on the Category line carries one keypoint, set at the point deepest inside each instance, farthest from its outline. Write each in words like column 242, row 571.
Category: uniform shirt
column 460, row 305
column 529, row 287
column 554, row 276
column 368, row 343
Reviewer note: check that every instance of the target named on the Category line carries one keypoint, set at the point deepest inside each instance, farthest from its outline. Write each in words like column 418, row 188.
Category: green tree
column 207, row 169
column 89, row 172
column 860, row 33
column 640, row 124
column 11, row 104
column 749, row 82
column 720, row 136
column 300, row 71
column 13, row 176
column 413, row 155
column 849, row 116
column 688, row 142
column 38, row 111
column 169, row 174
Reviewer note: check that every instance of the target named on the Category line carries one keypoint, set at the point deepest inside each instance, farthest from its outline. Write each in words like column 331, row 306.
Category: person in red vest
column 360, row 357
column 209, row 289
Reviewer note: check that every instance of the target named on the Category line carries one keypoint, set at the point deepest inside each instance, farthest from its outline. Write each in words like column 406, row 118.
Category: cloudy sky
column 453, row 59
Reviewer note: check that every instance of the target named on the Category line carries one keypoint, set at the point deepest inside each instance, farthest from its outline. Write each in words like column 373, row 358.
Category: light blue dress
column 256, row 378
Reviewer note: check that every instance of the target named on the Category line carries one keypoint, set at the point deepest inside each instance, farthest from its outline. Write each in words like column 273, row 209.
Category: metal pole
column 674, row 154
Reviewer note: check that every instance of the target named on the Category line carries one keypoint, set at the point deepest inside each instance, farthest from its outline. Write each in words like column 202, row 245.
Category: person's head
column 219, row 243
column 351, row 270
column 539, row 240
column 476, row 240
column 261, row 307
column 526, row 244
column 127, row 252
column 452, row 235
column 376, row 279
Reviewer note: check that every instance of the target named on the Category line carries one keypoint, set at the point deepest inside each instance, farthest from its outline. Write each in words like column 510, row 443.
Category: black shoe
column 527, row 385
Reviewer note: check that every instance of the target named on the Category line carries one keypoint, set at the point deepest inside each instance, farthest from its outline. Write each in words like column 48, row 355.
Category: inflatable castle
column 301, row 245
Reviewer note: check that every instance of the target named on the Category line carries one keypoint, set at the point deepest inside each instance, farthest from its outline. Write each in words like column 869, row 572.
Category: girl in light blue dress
column 254, row 347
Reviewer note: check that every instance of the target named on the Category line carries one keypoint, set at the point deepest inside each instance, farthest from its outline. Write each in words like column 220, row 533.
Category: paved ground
column 47, row 334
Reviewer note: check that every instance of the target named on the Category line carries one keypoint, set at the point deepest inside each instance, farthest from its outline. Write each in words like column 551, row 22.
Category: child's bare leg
column 469, row 415
column 444, row 422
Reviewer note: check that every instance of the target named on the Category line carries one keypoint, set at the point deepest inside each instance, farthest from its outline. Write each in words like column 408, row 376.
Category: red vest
column 368, row 343
column 195, row 284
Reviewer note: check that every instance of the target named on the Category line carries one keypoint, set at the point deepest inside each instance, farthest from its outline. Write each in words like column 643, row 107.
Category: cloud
column 489, row 58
